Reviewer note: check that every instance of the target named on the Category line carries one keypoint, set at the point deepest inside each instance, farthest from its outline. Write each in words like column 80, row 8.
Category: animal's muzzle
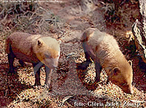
column 129, row 90
column 55, row 62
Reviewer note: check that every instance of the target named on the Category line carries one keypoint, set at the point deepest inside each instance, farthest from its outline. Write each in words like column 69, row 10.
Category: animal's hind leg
column 86, row 63
column 88, row 56
column 98, row 67
column 89, row 53
column 11, row 57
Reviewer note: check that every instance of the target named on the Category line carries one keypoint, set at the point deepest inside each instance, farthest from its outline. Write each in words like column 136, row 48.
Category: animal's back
column 15, row 39
column 105, row 47
column 21, row 45
column 98, row 39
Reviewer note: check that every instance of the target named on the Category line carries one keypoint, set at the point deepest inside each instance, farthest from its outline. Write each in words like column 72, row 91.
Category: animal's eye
column 47, row 56
column 123, row 84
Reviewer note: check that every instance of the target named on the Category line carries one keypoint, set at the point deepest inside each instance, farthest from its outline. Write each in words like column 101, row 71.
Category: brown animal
column 36, row 49
column 103, row 49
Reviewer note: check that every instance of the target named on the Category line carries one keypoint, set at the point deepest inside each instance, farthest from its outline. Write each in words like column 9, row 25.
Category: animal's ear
column 115, row 71
column 130, row 62
column 39, row 43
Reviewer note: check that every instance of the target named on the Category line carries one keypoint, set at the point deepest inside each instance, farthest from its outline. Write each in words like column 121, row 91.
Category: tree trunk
column 139, row 31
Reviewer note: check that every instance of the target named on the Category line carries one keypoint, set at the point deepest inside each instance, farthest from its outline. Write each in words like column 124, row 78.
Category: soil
column 66, row 20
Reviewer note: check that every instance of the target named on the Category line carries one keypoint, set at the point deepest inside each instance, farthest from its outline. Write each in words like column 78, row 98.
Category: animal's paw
column 48, row 87
column 83, row 65
column 37, row 87
column 22, row 63
column 97, row 80
column 37, row 83
column 11, row 71
column 92, row 86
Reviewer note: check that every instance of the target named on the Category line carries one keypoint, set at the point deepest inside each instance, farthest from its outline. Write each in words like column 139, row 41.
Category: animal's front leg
column 98, row 70
column 48, row 77
column 36, row 67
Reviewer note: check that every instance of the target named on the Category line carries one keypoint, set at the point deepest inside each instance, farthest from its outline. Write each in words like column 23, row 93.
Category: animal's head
column 122, row 77
column 47, row 51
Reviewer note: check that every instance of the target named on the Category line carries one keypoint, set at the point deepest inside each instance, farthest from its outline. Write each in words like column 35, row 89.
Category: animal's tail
column 87, row 34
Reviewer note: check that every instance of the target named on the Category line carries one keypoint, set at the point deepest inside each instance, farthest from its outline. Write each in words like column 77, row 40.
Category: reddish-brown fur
column 103, row 49
column 36, row 49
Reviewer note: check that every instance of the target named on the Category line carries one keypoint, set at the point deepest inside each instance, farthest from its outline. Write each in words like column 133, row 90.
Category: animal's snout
column 54, row 66
column 129, row 90
column 55, row 62
column 51, row 63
